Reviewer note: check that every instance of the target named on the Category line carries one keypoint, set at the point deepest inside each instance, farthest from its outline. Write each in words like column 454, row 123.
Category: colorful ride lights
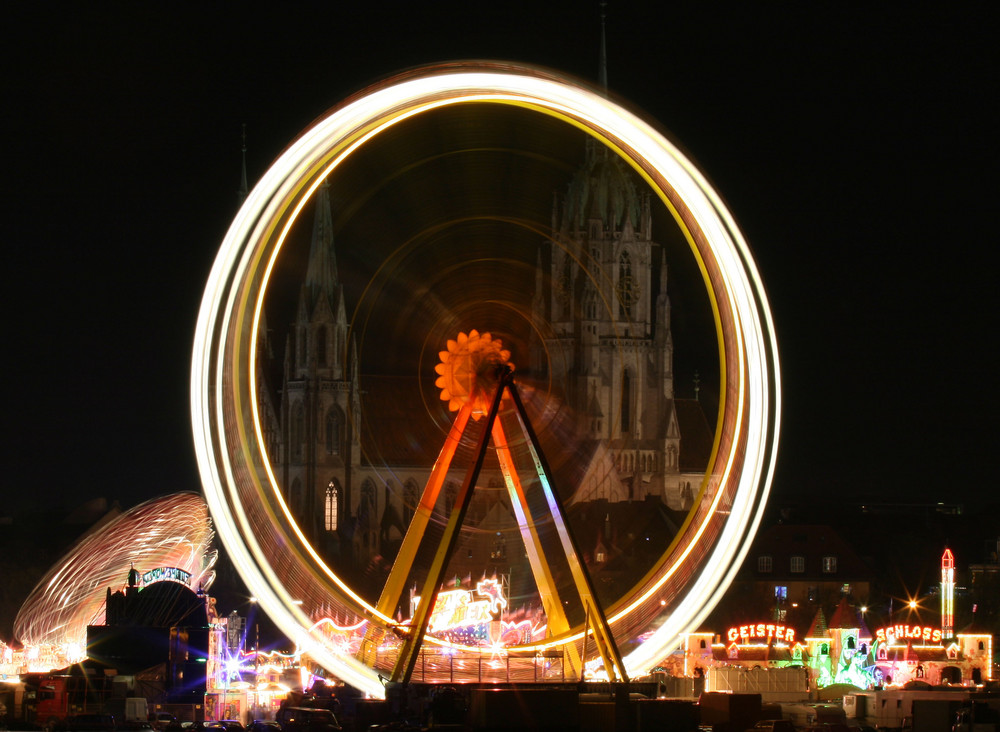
column 271, row 552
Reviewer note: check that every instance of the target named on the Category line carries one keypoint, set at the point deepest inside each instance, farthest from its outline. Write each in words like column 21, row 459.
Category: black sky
column 856, row 149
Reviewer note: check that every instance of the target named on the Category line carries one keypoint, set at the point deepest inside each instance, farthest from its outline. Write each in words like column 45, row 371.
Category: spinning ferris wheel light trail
column 293, row 583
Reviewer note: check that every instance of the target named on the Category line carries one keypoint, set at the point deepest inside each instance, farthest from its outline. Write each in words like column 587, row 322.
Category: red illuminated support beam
column 428, row 597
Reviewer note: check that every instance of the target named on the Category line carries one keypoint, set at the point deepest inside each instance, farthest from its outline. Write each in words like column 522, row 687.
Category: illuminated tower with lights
column 947, row 595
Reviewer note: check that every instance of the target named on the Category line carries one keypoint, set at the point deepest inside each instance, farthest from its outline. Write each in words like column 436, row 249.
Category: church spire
column 602, row 71
column 244, row 190
column 321, row 275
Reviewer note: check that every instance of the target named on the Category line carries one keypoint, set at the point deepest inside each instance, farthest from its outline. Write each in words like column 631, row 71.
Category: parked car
column 87, row 723
column 161, row 720
column 232, row 725
column 773, row 725
column 207, row 726
column 307, row 719
column 264, row 725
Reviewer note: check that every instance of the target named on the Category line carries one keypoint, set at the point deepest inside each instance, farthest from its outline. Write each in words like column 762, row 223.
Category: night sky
column 857, row 152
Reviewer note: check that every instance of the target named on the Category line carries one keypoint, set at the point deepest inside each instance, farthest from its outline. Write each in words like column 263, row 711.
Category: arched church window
column 321, row 345
column 498, row 552
column 332, row 498
column 332, row 432
column 626, row 406
column 367, row 519
column 296, row 497
column 850, row 642
column 297, row 429
column 564, row 284
column 628, row 288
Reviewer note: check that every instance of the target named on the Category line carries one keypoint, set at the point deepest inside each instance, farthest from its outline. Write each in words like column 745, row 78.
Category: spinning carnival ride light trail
column 293, row 583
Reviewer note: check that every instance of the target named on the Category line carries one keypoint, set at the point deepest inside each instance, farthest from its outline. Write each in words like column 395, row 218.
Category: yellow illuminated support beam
column 428, row 597
column 555, row 614
column 606, row 646
column 396, row 583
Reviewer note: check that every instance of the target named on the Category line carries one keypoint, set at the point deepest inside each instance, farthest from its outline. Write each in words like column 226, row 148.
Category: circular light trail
column 271, row 553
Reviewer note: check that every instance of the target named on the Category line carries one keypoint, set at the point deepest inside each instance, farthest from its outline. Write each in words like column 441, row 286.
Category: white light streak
column 269, row 550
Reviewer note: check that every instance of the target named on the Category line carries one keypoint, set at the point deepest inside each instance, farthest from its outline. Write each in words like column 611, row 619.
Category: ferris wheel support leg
column 395, row 585
column 604, row 639
column 555, row 613
column 428, row 597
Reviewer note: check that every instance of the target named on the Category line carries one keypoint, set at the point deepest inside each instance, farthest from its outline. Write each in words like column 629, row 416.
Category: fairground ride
column 302, row 593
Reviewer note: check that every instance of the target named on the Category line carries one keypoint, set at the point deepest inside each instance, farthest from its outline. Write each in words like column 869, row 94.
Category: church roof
column 696, row 435
column 396, row 429
column 604, row 188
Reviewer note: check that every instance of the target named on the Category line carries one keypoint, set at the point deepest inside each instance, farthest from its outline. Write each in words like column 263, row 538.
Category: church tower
column 319, row 396
column 610, row 344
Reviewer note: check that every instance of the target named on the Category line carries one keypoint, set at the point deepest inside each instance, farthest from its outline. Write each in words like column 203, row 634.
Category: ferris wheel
column 363, row 641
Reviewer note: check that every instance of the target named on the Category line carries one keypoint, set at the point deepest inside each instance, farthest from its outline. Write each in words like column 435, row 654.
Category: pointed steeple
column 321, row 275
column 244, row 190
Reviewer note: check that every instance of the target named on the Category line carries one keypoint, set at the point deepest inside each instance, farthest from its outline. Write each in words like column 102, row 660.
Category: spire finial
column 244, row 188
column 602, row 72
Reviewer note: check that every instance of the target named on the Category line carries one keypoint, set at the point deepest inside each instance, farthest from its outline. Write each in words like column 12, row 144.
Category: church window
column 498, row 551
column 297, row 428
column 367, row 519
column 628, row 289
column 321, row 346
column 332, row 496
column 296, row 497
column 850, row 642
column 301, row 343
column 626, row 408
column 564, row 286
column 333, row 432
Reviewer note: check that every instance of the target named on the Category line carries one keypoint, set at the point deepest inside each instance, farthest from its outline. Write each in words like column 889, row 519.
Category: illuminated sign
column 457, row 608
column 902, row 633
column 166, row 574
column 763, row 632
